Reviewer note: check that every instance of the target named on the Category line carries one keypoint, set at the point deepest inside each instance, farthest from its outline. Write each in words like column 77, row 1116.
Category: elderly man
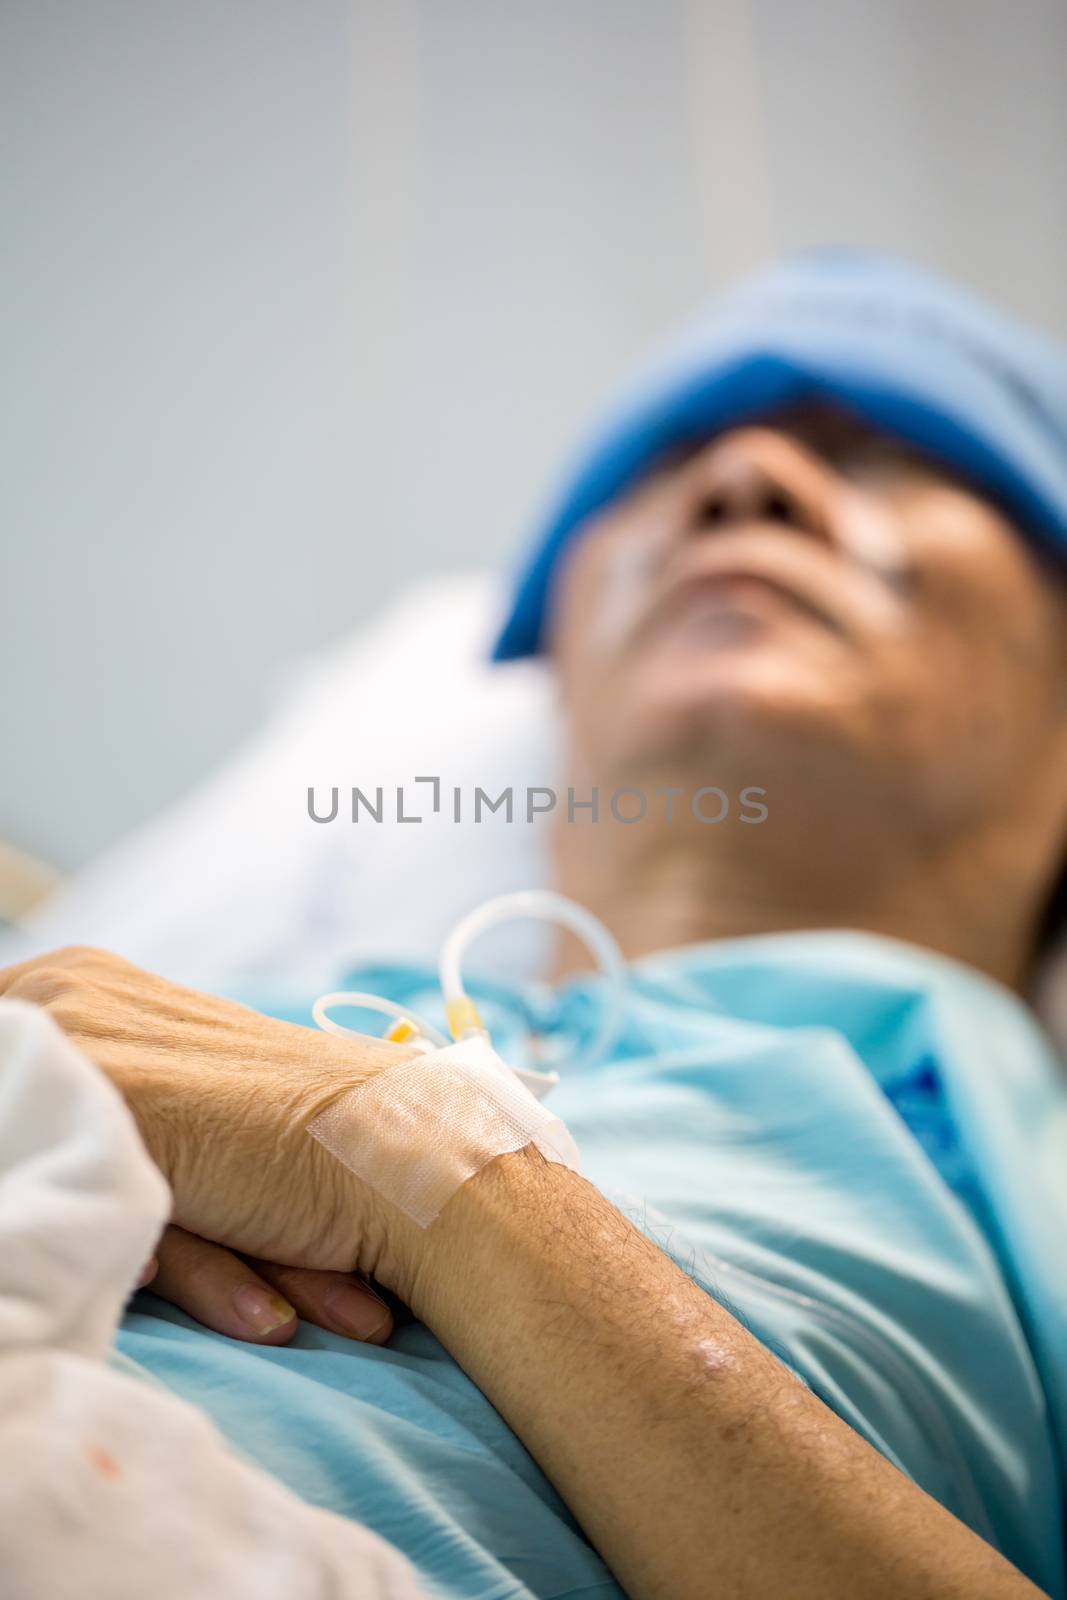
column 819, row 1344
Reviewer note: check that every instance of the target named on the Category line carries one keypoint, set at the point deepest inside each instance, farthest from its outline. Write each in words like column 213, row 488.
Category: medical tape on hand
column 417, row 1131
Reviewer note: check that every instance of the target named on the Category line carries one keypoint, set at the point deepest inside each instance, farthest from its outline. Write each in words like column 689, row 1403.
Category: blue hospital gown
column 858, row 1147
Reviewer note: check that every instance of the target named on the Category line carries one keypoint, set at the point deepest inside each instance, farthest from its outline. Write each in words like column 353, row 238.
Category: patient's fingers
column 334, row 1300
column 220, row 1290
column 258, row 1301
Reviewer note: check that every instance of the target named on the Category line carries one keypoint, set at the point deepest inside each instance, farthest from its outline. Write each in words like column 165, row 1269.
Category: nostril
column 778, row 508
column 713, row 510
column 769, row 504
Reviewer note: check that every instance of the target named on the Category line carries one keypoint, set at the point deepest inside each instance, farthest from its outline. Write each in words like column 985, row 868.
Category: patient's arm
column 693, row 1459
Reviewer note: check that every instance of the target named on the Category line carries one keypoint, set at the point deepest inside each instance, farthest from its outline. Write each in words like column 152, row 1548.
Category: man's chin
column 726, row 706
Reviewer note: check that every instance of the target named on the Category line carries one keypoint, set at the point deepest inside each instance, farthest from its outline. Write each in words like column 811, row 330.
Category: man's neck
column 688, row 889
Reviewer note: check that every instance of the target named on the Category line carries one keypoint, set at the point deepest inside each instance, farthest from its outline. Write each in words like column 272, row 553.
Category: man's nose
column 761, row 475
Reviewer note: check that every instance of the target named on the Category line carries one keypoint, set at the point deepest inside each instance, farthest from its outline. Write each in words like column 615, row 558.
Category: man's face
column 808, row 590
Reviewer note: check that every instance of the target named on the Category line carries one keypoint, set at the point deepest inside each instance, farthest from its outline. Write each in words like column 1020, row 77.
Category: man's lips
column 722, row 573
column 689, row 595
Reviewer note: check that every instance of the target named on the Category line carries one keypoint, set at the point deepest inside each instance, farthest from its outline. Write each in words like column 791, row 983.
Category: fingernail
column 358, row 1311
column 262, row 1311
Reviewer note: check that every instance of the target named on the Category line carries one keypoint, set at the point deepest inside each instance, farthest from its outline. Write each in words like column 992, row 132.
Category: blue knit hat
column 907, row 351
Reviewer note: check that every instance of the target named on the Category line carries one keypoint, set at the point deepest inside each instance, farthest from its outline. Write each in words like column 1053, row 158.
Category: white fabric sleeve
column 111, row 1487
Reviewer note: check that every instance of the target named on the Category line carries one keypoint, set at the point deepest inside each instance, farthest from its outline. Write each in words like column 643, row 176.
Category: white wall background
column 302, row 298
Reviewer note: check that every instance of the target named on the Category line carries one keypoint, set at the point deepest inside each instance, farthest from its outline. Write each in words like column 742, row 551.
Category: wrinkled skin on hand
column 223, row 1097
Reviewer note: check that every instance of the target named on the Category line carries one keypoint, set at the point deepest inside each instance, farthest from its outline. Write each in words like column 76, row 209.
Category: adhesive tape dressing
column 417, row 1131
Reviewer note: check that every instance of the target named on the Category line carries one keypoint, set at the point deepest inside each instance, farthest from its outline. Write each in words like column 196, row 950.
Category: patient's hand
column 222, row 1097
